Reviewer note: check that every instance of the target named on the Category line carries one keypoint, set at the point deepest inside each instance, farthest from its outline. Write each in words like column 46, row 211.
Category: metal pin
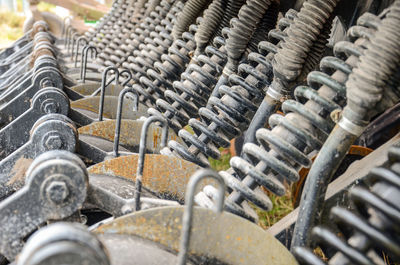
column 103, row 87
column 187, row 218
column 142, row 151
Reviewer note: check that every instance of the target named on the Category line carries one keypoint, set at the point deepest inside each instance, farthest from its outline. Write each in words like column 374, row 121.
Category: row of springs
column 225, row 116
column 306, row 125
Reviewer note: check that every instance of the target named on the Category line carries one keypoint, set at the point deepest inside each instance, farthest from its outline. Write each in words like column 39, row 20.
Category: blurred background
column 17, row 16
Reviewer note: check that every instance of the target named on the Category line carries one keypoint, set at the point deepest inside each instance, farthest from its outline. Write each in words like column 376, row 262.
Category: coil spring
column 228, row 118
column 267, row 22
column 160, row 77
column 303, row 129
column 195, row 86
column 223, row 115
column 301, row 35
column 104, row 35
column 154, row 46
column 120, row 32
column 372, row 230
column 213, row 17
column 192, row 10
column 142, row 31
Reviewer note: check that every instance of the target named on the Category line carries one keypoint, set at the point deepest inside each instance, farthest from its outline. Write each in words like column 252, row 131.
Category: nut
column 57, row 192
column 53, row 142
column 50, row 107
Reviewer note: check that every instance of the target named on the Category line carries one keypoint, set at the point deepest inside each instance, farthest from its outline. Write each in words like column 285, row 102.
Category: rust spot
column 161, row 174
column 19, row 170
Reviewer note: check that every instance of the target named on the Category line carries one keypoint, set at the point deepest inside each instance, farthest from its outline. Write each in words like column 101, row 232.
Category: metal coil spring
column 242, row 30
column 372, row 229
column 223, row 115
column 267, row 23
column 142, row 31
column 154, row 46
column 149, row 25
column 161, row 76
column 122, row 30
column 212, row 24
column 226, row 116
column 304, row 128
column 195, row 86
column 104, row 35
column 192, row 10
column 301, row 35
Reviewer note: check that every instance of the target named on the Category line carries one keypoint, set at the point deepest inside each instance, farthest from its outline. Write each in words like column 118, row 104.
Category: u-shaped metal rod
column 78, row 42
column 142, row 153
column 103, row 87
column 121, row 98
column 85, row 53
column 187, row 218
column 74, row 39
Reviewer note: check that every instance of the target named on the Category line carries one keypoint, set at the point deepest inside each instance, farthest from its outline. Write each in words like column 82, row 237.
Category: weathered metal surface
column 55, row 189
column 91, row 104
column 337, row 190
column 88, row 88
column 130, row 133
column 223, row 237
column 165, row 175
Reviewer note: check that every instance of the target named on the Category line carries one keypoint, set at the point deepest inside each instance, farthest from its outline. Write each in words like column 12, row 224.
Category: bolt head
column 50, row 107
column 53, row 142
column 57, row 192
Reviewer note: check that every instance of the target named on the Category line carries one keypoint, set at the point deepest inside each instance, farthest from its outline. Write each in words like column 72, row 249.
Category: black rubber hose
column 189, row 14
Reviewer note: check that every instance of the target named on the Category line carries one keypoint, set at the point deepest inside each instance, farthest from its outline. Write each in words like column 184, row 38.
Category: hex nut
column 57, row 192
column 53, row 142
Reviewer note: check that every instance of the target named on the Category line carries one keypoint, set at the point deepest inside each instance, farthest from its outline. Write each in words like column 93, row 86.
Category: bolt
column 53, row 142
column 50, row 107
column 57, row 192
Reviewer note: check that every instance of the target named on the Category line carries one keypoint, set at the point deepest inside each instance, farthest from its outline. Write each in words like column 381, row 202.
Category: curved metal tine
column 85, row 52
column 117, row 134
column 142, row 152
column 104, row 85
column 187, row 218
column 78, row 41
column 74, row 39
column 63, row 32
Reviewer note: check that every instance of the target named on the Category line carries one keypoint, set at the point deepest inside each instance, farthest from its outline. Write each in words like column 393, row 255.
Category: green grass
column 282, row 205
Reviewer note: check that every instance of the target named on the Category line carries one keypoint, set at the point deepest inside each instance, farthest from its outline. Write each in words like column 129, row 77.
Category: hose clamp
column 274, row 94
column 350, row 126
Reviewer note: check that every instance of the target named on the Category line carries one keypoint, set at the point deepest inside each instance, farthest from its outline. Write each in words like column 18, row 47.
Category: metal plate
column 130, row 134
column 110, row 107
column 224, row 237
column 165, row 175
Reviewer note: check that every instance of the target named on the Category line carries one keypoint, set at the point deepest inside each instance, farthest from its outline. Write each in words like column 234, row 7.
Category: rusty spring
column 368, row 232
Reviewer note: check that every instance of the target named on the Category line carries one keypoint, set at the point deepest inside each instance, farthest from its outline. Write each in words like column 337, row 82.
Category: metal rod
column 187, row 218
column 142, row 152
column 103, row 87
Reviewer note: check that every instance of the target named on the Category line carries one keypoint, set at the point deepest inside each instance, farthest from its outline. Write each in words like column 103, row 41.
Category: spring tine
column 142, row 151
column 84, row 60
column 187, row 218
